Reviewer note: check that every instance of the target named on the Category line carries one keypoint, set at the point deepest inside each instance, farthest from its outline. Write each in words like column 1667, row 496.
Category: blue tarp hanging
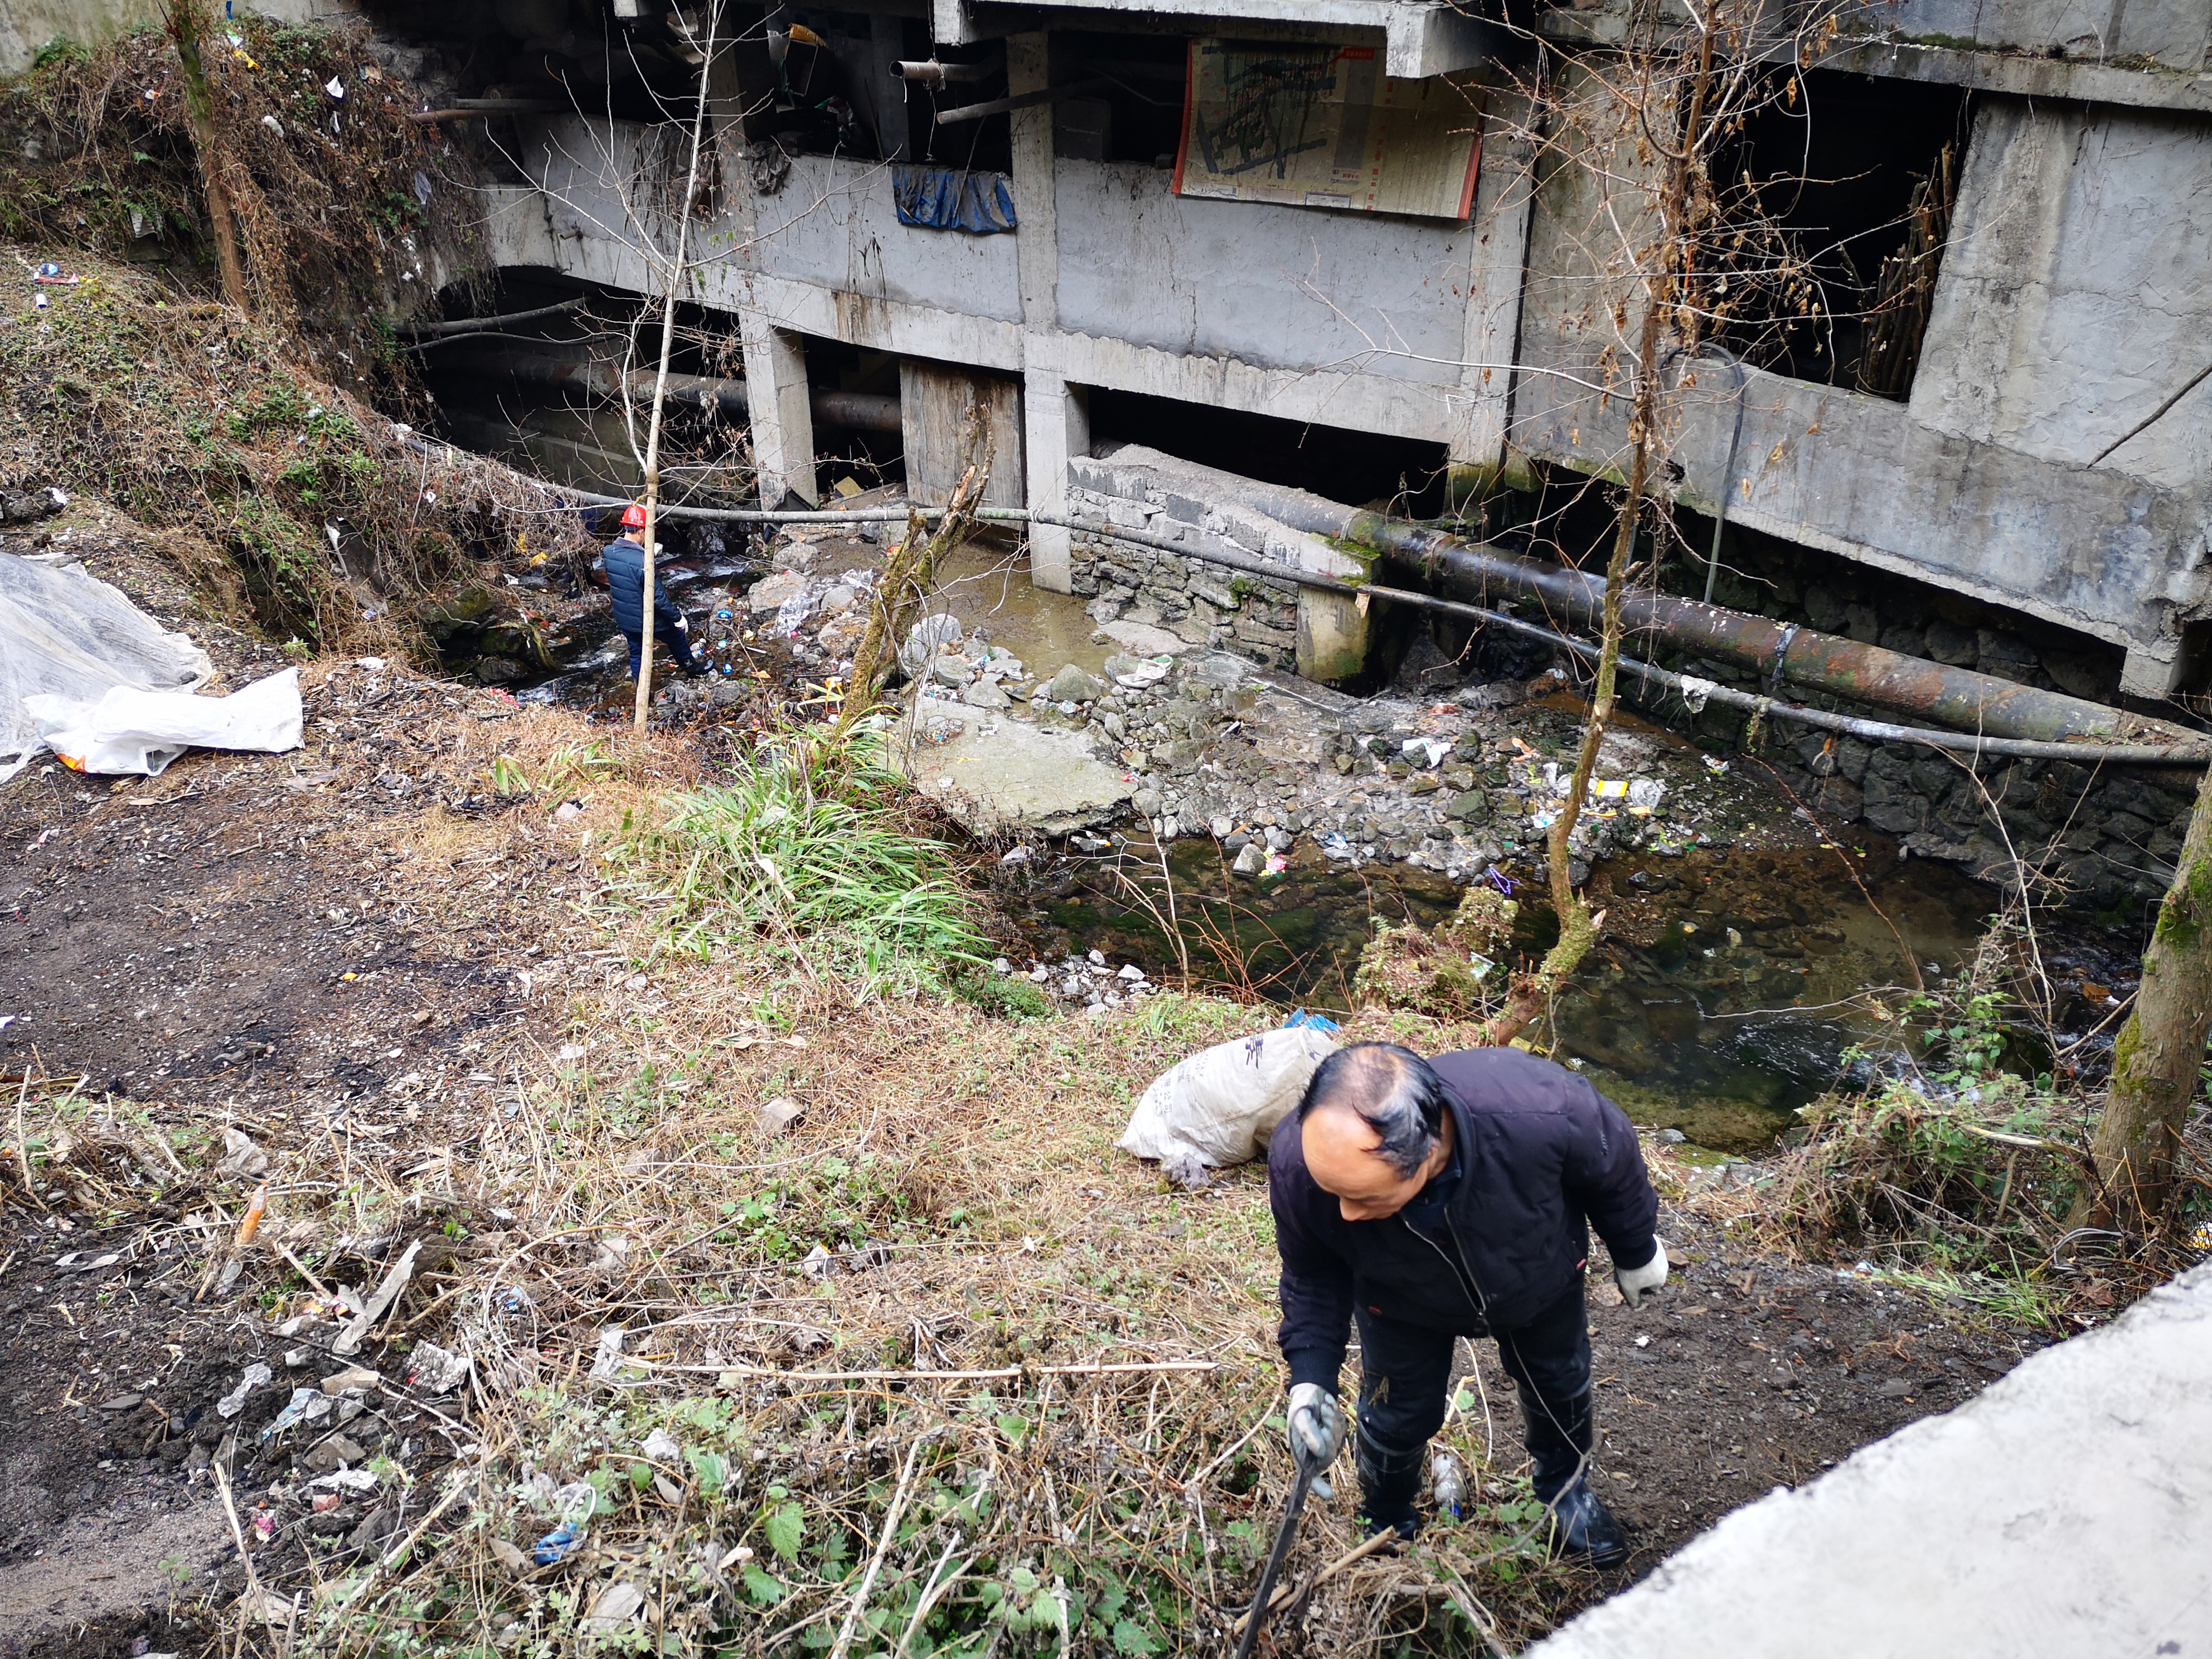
column 953, row 199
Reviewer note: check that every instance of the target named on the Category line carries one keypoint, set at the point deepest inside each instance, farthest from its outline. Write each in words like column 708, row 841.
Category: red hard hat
column 633, row 517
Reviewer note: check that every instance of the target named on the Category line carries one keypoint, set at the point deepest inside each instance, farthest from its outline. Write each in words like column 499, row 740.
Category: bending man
column 625, row 566
column 1430, row 1201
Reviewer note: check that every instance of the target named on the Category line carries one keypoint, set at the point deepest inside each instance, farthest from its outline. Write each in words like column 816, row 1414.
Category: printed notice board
column 1323, row 126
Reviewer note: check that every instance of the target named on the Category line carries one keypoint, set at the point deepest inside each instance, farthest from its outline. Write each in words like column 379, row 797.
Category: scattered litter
column 84, row 1262
column 434, row 1370
column 345, row 1480
column 353, row 1376
column 776, row 1116
column 349, row 1339
column 608, row 1359
column 1425, row 752
column 661, row 1447
column 818, row 1263
column 50, row 274
column 1715, row 763
column 574, row 1503
column 235, row 1402
column 305, row 1406
column 613, row 1608
column 1695, row 691
column 335, row 87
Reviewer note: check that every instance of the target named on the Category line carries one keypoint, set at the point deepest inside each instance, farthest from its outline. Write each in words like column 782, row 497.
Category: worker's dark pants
column 677, row 641
column 1405, row 1375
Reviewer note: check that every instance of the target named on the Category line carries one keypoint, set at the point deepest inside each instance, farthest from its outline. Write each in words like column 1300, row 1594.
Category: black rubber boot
column 1560, row 1438
column 1388, row 1484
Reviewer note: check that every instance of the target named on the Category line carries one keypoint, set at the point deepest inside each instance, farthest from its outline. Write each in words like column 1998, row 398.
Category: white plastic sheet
column 65, row 634
column 133, row 731
column 1221, row 1106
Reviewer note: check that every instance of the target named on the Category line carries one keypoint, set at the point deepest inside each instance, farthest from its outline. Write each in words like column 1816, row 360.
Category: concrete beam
column 2066, row 1513
column 1420, row 41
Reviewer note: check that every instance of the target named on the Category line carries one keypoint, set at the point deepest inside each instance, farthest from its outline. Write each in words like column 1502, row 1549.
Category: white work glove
column 1314, row 1427
column 1636, row 1283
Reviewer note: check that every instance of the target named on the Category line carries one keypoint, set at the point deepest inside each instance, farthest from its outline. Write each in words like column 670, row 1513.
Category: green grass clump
column 807, row 854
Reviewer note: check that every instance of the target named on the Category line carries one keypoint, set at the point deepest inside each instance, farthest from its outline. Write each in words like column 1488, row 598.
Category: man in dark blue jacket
column 625, row 566
column 1431, row 1200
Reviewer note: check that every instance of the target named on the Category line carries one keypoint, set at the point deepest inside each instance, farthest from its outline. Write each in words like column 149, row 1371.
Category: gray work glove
column 1636, row 1283
column 1314, row 1427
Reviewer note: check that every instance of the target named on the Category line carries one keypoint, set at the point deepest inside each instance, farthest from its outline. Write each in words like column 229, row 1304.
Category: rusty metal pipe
column 1780, row 652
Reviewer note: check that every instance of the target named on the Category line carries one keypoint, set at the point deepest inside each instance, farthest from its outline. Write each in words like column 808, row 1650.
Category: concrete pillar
column 781, row 416
column 1332, row 627
column 1036, row 246
column 1057, row 423
column 1505, row 193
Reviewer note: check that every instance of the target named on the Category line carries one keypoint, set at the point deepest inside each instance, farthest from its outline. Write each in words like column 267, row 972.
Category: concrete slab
column 2066, row 1513
column 993, row 773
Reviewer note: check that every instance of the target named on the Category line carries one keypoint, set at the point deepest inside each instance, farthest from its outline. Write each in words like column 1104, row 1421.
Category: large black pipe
column 1780, row 652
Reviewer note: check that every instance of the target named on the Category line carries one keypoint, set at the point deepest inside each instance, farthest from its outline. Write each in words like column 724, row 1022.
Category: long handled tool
column 1283, row 1534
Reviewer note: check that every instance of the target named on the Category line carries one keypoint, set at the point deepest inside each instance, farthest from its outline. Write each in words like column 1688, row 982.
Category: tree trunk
column 669, row 290
column 2160, row 1051
column 184, row 20
column 1532, row 993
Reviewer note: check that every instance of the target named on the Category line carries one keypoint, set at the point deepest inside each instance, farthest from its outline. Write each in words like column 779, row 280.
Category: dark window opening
column 1835, row 199
column 827, row 98
column 1402, row 476
column 1122, row 97
column 846, row 442
column 975, row 144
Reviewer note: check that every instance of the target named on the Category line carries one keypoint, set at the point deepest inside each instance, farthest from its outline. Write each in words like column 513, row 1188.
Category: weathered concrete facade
column 2038, row 464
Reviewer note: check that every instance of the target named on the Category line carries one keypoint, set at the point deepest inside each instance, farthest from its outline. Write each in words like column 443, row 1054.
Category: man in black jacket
column 1431, row 1200
column 625, row 566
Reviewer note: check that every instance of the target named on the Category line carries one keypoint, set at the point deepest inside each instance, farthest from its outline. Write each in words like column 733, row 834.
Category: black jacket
column 625, row 563
column 1545, row 1157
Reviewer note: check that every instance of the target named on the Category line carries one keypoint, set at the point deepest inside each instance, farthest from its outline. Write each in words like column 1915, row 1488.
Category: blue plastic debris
column 1299, row 1018
column 558, row 1544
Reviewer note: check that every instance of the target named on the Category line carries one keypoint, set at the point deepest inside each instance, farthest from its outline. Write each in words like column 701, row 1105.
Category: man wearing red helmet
column 625, row 566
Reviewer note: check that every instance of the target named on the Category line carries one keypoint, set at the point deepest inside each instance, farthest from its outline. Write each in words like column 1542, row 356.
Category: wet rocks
column 772, row 593
column 1071, row 685
column 1088, row 981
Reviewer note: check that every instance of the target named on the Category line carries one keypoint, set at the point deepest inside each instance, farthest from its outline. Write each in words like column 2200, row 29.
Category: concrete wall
column 2079, row 268
column 2174, row 32
column 2076, row 294
column 2064, row 1513
column 1285, row 286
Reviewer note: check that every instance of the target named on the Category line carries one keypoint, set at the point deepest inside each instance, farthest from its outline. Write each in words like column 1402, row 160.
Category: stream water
column 1729, row 988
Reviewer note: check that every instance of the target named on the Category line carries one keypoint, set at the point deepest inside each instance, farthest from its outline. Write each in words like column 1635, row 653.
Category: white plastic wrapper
column 1220, row 1107
column 132, row 730
column 67, row 635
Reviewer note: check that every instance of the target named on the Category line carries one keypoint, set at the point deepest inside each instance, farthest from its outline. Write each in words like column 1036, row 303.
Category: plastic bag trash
column 608, row 1359
column 235, row 1402
column 1695, row 691
column 1299, row 1018
column 1425, row 752
column 64, row 632
column 791, row 615
column 1449, row 1485
column 128, row 730
column 1637, row 792
column 660, row 1446
column 573, row 1504
column 1221, row 1106
column 305, row 1406
column 435, row 1372
column 241, row 1157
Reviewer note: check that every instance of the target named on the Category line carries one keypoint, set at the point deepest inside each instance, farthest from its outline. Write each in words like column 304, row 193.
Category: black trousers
column 1405, row 1375
column 677, row 641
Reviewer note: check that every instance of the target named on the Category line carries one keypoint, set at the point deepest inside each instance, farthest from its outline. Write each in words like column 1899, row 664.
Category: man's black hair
column 1396, row 1093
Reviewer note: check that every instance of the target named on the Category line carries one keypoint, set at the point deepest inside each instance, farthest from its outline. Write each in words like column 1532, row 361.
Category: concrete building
column 2047, row 455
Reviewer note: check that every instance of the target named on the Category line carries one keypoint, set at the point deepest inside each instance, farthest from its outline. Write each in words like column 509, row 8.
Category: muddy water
column 1730, row 987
